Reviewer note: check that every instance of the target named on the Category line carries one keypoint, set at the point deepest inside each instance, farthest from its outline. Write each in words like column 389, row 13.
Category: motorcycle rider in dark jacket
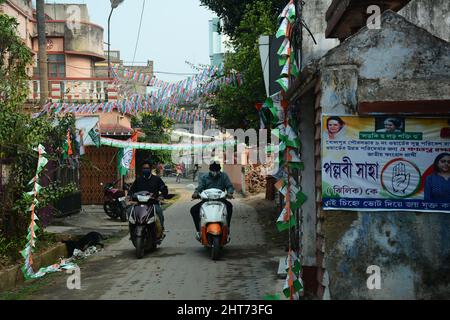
column 153, row 184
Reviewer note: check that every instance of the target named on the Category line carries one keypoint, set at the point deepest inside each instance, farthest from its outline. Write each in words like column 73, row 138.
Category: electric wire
column 139, row 31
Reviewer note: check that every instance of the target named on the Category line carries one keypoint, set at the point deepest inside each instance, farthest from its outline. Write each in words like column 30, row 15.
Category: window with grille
column 56, row 66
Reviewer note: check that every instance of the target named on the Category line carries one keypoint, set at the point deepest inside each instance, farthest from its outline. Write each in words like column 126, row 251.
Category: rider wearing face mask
column 153, row 184
column 217, row 180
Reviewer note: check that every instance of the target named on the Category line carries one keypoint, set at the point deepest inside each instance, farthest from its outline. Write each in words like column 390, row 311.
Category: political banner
column 385, row 163
column 88, row 127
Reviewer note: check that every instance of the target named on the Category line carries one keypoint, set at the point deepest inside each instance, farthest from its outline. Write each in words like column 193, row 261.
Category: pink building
column 73, row 49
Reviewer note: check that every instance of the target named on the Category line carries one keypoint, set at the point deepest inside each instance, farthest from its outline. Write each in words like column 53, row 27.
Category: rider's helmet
column 214, row 169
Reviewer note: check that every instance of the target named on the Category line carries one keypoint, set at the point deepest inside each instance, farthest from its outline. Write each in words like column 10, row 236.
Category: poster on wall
column 88, row 129
column 385, row 163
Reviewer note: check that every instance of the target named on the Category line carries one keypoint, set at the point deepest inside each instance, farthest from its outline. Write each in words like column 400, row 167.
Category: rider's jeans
column 159, row 212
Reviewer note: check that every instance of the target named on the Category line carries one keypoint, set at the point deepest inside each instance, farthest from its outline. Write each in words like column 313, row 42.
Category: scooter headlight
column 151, row 220
column 143, row 199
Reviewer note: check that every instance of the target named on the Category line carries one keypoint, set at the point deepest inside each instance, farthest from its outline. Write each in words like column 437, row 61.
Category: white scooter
column 213, row 221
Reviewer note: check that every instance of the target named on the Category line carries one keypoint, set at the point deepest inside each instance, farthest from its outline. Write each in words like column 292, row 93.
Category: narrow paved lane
column 181, row 267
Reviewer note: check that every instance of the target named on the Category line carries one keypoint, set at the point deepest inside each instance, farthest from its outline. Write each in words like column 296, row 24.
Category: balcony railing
column 75, row 90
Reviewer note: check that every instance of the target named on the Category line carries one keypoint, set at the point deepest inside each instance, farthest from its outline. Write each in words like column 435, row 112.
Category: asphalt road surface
column 181, row 268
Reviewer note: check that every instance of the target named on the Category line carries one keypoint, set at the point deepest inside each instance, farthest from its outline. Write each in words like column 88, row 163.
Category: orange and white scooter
column 213, row 221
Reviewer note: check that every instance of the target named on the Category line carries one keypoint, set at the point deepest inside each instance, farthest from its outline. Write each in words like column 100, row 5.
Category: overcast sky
column 172, row 32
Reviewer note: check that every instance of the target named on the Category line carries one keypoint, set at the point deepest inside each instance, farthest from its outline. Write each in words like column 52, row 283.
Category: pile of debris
column 79, row 254
column 255, row 178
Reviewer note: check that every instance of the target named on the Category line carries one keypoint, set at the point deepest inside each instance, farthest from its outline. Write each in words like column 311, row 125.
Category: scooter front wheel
column 215, row 248
column 140, row 250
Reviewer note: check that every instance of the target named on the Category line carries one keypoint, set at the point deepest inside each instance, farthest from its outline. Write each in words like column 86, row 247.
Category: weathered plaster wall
column 412, row 249
column 22, row 11
column 433, row 15
column 87, row 38
column 314, row 16
column 60, row 11
column 391, row 62
column 78, row 66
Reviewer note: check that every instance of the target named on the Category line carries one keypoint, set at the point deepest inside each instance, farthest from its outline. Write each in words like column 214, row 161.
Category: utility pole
column 42, row 58
column 109, row 42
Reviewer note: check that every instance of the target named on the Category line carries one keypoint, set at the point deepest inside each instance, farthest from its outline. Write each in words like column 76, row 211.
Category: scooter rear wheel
column 215, row 248
column 109, row 210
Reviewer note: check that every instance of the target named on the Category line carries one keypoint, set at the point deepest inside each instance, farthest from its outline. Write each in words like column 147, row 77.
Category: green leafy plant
column 157, row 130
column 234, row 107
column 20, row 132
column 54, row 192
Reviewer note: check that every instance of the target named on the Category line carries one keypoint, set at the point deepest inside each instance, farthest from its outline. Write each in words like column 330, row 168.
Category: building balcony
column 76, row 90
column 84, row 38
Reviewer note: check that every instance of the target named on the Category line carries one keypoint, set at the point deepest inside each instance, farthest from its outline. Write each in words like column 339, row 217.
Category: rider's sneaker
column 197, row 236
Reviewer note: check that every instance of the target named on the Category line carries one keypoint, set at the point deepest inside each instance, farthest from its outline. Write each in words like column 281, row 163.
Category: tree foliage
column 20, row 132
column 232, row 12
column 234, row 107
column 156, row 128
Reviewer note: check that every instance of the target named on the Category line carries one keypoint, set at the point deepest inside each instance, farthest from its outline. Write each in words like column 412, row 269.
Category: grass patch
column 10, row 248
column 170, row 202
column 30, row 287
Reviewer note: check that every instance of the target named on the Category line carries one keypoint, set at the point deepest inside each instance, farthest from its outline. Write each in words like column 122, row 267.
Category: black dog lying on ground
column 89, row 240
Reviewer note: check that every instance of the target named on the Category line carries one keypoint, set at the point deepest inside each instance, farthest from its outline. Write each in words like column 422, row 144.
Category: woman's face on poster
column 444, row 164
column 389, row 126
column 334, row 126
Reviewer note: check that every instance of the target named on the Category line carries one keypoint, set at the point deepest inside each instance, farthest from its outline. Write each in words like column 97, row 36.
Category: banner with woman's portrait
column 385, row 163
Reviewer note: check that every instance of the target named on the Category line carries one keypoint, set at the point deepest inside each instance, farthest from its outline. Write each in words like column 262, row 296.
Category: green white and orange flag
column 134, row 138
column 296, row 197
column 288, row 136
column 284, row 83
column 286, row 71
column 67, row 146
column 273, row 103
column 288, row 12
column 285, row 48
column 293, row 262
column 283, row 30
column 292, row 282
column 280, row 184
column 125, row 158
column 293, row 159
column 286, row 220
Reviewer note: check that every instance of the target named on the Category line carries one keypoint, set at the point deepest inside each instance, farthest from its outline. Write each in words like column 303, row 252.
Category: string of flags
column 285, row 128
column 207, row 81
column 27, row 253
column 135, row 105
column 201, row 67
column 166, row 100
column 127, row 153
column 162, row 147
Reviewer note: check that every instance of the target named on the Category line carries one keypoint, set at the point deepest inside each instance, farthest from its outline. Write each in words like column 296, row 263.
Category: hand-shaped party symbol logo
column 400, row 179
